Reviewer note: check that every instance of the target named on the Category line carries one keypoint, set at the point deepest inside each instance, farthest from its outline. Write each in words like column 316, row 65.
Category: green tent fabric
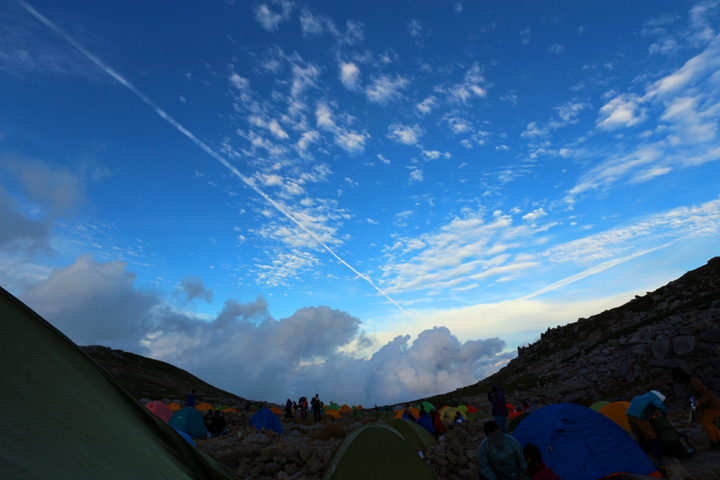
column 413, row 433
column 333, row 406
column 385, row 416
column 517, row 420
column 378, row 452
column 428, row 406
column 190, row 421
column 598, row 405
column 357, row 413
column 76, row 421
column 222, row 407
column 387, row 408
column 462, row 408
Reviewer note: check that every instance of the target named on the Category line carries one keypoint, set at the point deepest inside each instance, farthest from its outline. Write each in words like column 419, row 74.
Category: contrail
column 591, row 271
column 248, row 181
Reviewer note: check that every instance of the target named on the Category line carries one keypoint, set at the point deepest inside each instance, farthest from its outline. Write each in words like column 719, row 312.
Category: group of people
column 501, row 457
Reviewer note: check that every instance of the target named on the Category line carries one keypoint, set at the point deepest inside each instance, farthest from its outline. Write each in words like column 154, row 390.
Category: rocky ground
column 305, row 449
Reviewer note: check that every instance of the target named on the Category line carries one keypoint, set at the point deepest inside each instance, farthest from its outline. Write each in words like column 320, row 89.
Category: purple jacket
column 497, row 397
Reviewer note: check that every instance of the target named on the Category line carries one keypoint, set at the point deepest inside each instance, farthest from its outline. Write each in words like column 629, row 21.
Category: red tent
column 160, row 410
column 471, row 409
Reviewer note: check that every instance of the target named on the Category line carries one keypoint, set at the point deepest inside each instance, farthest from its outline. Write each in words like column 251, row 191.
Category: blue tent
column 265, row 419
column 186, row 437
column 189, row 421
column 582, row 444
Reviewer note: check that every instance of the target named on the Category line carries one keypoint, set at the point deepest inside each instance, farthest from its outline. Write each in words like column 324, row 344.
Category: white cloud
column 351, row 141
column 407, row 135
column 426, row 106
column 622, row 111
column 534, row 215
column 525, row 36
column 556, row 49
column 534, row 130
column 383, row 159
column 371, row 221
column 510, row 97
column 385, row 89
column 193, row 287
column 415, row 28
column 416, row 175
column 435, row 154
column 270, row 19
column 350, row 75
column 474, row 85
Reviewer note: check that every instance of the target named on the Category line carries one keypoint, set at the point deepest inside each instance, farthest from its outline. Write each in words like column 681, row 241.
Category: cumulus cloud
column 194, row 287
column 407, row 135
column 270, row 18
column 246, row 351
column 534, row 215
column 474, row 85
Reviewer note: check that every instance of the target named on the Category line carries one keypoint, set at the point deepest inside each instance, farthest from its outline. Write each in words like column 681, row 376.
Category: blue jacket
column 497, row 397
column 426, row 422
column 643, row 406
column 502, row 463
column 190, row 400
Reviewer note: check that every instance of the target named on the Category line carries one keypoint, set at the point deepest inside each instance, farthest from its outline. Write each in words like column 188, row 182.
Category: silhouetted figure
column 190, row 402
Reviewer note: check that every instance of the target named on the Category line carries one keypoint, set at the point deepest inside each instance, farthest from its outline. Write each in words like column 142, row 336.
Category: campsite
column 585, row 440
column 360, row 240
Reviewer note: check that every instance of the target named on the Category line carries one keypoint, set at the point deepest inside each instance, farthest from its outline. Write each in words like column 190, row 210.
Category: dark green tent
column 427, row 405
column 378, row 452
column 358, row 413
column 190, row 421
column 63, row 416
column 386, row 408
column 413, row 433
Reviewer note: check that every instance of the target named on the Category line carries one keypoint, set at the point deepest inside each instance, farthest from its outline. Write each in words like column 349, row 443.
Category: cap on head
column 659, row 395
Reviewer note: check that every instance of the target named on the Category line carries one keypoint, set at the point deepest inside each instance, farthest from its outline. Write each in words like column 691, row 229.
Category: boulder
column 684, row 345
column 661, row 348
column 712, row 336
column 257, row 438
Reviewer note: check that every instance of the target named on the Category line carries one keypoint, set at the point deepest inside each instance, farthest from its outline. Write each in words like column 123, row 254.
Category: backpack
column 669, row 440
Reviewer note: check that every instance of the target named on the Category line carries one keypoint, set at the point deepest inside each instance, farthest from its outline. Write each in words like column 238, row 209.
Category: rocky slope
column 148, row 379
column 625, row 351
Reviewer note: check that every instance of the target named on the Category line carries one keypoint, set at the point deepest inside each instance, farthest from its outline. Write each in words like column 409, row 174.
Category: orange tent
column 204, row 406
column 174, row 407
column 229, row 410
column 443, row 408
column 333, row 413
column 359, row 407
column 413, row 410
column 615, row 411
column 160, row 410
column 276, row 411
column 345, row 408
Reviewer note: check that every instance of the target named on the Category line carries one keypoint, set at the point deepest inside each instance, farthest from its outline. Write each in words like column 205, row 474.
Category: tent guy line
column 248, row 181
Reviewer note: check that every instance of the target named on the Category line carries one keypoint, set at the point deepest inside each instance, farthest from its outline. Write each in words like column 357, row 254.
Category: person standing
column 190, row 402
column 438, row 426
column 707, row 404
column 288, row 408
column 303, row 408
column 317, row 407
column 496, row 396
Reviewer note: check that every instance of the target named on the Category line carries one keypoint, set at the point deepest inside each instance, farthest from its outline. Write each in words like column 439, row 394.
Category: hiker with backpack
column 706, row 404
column 496, row 396
column 438, row 426
column 639, row 413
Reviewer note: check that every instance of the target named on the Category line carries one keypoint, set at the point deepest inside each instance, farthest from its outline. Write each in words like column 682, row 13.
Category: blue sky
column 403, row 191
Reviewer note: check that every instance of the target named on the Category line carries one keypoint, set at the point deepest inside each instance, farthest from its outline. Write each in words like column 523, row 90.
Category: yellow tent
column 333, row 413
column 447, row 415
column 204, row 406
column 345, row 408
column 615, row 411
column 276, row 411
column 174, row 407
